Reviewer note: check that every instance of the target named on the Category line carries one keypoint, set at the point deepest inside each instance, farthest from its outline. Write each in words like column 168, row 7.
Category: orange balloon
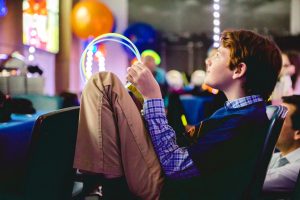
column 91, row 18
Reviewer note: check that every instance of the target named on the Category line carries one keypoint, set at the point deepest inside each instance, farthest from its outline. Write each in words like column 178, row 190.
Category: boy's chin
column 212, row 85
column 206, row 82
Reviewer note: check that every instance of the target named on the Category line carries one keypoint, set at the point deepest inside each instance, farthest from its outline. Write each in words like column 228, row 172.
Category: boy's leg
column 112, row 139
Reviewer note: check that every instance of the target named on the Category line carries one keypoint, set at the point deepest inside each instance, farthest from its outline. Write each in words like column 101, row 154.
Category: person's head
column 289, row 138
column 246, row 59
column 294, row 57
column 287, row 68
column 174, row 79
column 197, row 77
column 149, row 62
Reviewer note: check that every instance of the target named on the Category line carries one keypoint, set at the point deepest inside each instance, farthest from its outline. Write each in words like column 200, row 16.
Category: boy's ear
column 239, row 71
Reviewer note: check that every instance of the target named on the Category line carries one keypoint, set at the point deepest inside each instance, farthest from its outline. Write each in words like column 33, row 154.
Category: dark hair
column 294, row 100
column 262, row 57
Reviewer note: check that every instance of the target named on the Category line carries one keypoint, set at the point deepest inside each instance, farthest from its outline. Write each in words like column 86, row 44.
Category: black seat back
column 296, row 194
column 50, row 170
column 276, row 114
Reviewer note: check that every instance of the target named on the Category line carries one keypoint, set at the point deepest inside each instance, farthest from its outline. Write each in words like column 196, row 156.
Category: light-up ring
column 102, row 38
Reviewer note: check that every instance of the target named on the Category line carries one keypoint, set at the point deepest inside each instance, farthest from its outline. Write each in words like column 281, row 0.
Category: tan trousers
column 112, row 138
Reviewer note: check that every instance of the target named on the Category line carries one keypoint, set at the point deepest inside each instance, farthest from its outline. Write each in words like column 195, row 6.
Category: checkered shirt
column 175, row 160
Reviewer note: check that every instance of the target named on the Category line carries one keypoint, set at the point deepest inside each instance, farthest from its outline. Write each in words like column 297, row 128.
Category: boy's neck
column 234, row 93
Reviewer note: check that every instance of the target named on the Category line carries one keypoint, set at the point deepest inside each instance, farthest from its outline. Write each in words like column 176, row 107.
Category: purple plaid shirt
column 175, row 160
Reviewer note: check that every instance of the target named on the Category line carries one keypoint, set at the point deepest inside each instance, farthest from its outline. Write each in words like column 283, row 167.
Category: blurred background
column 42, row 41
column 180, row 31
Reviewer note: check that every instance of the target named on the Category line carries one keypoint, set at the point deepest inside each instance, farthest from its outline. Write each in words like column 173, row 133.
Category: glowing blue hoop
column 102, row 38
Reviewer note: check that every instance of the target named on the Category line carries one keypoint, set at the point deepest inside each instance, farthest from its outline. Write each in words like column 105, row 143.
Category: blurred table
column 43, row 102
column 15, row 137
column 194, row 107
column 15, row 85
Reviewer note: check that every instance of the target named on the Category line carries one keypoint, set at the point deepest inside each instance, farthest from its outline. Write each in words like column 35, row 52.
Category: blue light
column 3, row 8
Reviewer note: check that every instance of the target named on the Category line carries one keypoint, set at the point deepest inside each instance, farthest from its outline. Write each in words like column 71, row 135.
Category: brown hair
column 262, row 57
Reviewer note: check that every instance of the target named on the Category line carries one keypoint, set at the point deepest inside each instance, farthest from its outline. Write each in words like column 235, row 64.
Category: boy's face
column 218, row 74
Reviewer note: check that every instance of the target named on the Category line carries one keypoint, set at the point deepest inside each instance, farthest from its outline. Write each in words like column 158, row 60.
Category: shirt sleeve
column 174, row 160
column 282, row 179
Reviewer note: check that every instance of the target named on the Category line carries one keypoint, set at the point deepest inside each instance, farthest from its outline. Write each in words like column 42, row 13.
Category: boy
column 245, row 68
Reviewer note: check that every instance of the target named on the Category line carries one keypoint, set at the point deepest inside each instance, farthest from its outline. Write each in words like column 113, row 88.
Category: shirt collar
column 242, row 102
column 293, row 156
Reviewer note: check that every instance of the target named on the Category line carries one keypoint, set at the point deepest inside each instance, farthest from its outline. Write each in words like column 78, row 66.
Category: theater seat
column 276, row 114
column 296, row 194
column 50, row 170
column 50, row 173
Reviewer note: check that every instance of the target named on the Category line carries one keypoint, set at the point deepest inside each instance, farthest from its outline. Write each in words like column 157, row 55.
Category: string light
column 216, row 23
column 89, row 62
column 216, row 14
column 216, row 38
column 216, row 30
column 31, row 49
column 101, row 61
column 33, row 39
column 31, row 57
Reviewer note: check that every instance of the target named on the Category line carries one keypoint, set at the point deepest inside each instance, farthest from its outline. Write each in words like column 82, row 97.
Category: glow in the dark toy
column 114, row 37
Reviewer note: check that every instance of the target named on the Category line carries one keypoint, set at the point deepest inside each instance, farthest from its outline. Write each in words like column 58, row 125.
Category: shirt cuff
column 153, row 108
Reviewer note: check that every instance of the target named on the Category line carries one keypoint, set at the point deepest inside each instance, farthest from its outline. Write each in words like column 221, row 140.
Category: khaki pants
column 112, row 139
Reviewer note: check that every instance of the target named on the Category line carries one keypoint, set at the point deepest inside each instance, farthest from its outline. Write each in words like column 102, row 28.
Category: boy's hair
column 262, row 57
column 294, row 100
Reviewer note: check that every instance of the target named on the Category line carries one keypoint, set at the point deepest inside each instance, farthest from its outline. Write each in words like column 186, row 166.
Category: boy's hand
column 141, row 77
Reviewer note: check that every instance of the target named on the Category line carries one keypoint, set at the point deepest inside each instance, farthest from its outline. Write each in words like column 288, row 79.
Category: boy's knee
column 102, row 79
column 107, row 76
column 102, row 75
